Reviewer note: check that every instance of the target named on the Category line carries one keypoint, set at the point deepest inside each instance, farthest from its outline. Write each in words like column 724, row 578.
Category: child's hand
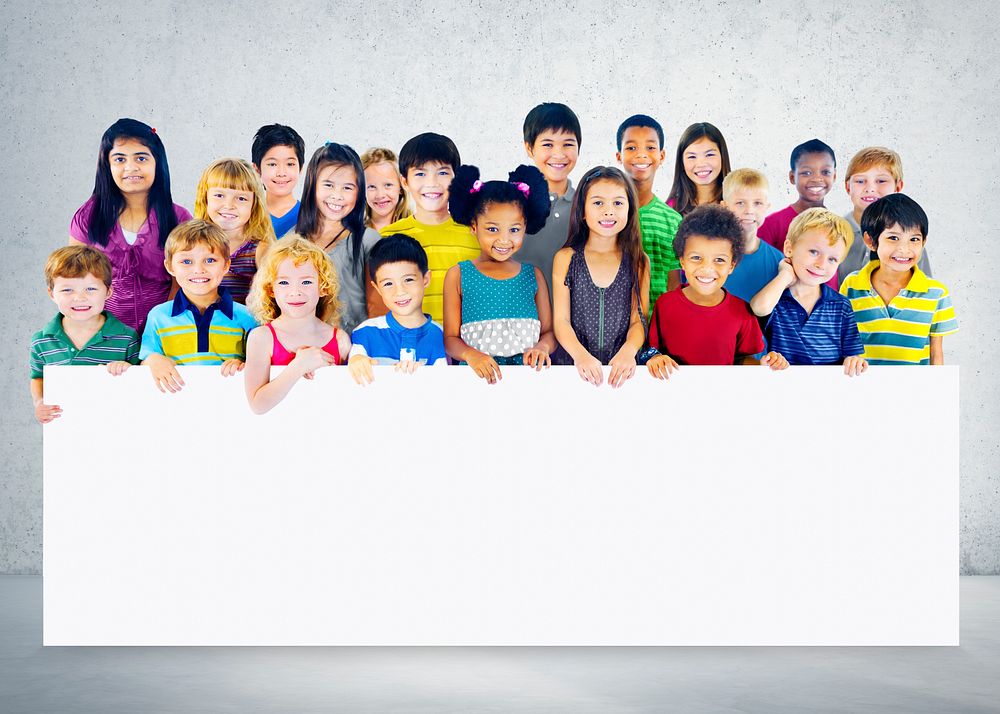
column 45, row 413
column 407, row 366
column 622, row 367
column 589, row 369
column 231, row 367
column 117, row 368
column 855, row 365
column 537, row 358
column 308, row 359
column 164, row 373
column 661, row 366
column 360, row 367
column 786, row 271
column 484, row 366
column 775, row 361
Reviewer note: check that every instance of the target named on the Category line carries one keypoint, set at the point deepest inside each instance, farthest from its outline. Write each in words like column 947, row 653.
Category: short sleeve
column 79, row 226
column 944, row 321
column 750, row 341
column 132, row 351
column 35, row 362
column 150, row 337
column 183, row 214
column 850, row 337
column 358, row 346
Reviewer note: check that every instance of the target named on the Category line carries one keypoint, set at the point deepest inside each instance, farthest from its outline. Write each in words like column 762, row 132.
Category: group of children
column 528, row 270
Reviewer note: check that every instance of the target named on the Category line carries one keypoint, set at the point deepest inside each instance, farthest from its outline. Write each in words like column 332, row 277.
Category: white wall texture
column 918, row 77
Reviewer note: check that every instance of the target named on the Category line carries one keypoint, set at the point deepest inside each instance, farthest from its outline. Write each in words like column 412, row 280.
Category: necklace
column 333, row 240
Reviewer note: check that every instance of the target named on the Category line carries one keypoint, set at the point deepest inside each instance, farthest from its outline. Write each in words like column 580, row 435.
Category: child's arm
column 482, row 364
column 763, row 302
column 164, row 373
column 588, row 366
column 262, row 392
column 44, row 413
column 937, row 349
column 623, row 363
column 538, row 356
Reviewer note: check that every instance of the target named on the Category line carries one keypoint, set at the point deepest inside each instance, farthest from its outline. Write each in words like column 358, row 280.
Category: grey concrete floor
column 581, row 680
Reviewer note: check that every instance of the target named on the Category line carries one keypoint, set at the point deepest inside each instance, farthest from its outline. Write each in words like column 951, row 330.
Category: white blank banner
column 727, row 506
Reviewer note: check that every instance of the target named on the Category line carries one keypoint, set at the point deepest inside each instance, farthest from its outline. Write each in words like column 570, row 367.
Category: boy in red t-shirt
column 701, row 323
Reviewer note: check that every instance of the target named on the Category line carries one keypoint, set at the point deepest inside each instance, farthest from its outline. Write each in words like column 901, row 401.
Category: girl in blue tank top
column 496, row 310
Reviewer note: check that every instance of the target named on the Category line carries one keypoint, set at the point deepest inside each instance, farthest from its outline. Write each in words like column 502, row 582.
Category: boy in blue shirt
column 744, row 192
column 202, row 325
column 406, row 336
column 811, row 323
column 278, row 153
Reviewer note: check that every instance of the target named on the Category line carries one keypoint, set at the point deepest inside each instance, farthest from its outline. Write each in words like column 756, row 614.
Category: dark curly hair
column 713, row 222
column 465, row 204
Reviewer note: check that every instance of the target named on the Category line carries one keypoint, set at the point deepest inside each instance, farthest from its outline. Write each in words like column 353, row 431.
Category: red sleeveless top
column 281, row 356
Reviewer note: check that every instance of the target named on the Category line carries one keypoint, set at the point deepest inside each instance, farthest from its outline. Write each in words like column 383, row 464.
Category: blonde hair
column 742, row 178
column 294, row 247
column 237, row 175
column 77, row 261
column 875, row 156
column 836, row 226
column 380, row 155
column 196, row 232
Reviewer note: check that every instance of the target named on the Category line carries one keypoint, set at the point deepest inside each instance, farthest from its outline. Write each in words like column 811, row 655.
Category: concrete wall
column 913, row 76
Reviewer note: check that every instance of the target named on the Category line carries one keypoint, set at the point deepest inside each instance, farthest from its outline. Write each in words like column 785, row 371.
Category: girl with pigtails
column 497, row 310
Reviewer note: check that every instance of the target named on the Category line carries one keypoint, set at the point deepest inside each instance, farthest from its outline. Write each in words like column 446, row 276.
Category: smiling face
column 703, row 161
column 813, row 176
column 133, row 167
column 382, row 189
column 554, row 152
column 899, row 248
column 707, row 262
column 606, row 208
column 500, row 230
column 198, row 270
column 296, row 288
column 641, row 153
column 866, row 187
column 279, row 170
column 79, row 299
column 401, row 287
column 336, row 192
column 750, row 206
column 813, row 259
column 229, row 208
column 428, row 185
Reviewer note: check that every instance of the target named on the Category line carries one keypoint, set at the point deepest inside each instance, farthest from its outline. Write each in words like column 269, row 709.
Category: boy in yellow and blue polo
column 202, row 325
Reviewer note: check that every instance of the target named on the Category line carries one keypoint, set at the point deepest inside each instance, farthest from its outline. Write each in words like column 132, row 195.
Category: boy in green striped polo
column 640, row 152
column 902, row 314
column 79, row 282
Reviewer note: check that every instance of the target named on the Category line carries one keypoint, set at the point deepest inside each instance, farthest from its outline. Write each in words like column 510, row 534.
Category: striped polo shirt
column 178, row 330
column 658, row 224
column 826, row 335
column 900, row 332
column 114, row 342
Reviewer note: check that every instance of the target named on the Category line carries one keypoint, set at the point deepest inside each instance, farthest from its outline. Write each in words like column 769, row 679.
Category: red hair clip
column 153, row 129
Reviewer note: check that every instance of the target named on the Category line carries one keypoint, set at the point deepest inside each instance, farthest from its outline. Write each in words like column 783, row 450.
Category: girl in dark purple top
column 128, row 218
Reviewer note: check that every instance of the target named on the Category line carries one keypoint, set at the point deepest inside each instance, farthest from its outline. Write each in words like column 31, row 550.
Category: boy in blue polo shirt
column 811, row 323
column 83, row 332
column 406, row 336
column 202, row 324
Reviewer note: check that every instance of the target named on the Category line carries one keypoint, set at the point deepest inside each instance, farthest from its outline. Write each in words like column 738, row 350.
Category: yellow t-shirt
column 446, row 244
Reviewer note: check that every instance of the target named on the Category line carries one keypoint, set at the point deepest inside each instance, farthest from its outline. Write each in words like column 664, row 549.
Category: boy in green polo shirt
column 79, row 280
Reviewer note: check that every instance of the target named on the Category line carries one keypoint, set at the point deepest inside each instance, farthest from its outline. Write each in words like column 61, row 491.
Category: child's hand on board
column 589, row 369
column 775, row 361
column 661, row 366
column 118, row 368
column 164, row 373
column 308, row 359
column 855, row 365
column 360, row 367
column 622, row 367
column 45, row 413
column 484, row 366
column 231, row 367
column 537, row 358
column 407, row 366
